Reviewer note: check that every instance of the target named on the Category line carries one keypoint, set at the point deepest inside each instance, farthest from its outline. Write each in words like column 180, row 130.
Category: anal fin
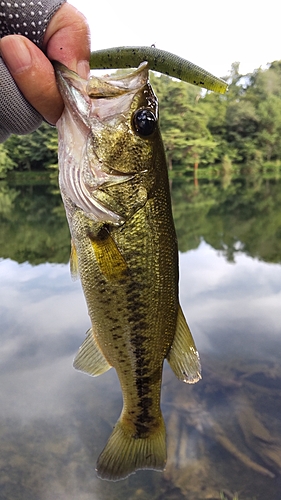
column 89, row 358
column 183, row 356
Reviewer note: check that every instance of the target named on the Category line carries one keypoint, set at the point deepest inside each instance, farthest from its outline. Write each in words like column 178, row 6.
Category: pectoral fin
column 183, row 356
column 110, row 260
column 74, row 262
column 90, row 359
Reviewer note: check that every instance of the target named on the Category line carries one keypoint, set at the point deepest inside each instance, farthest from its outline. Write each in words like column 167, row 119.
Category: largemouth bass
column 114, row 184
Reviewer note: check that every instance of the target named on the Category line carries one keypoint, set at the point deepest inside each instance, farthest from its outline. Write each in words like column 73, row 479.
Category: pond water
column 224, row 433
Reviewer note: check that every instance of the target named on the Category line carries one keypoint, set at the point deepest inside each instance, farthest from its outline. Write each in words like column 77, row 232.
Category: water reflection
column 224, row 434
column 246, row 297
column 32, row 225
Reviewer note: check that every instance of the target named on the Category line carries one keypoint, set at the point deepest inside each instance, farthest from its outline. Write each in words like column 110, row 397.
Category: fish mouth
column 84, row 95
column 89, row 106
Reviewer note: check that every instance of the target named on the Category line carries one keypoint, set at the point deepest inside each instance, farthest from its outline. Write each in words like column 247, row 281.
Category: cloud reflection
column 219, row 297
column 54, row 421
column 43, row 321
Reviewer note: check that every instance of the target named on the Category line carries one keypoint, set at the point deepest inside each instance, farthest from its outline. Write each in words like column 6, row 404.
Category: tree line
column 242, row 126
column 198, row 129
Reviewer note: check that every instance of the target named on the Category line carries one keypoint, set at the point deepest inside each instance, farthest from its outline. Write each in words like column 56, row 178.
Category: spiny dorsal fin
column 183, row 356
column 89, row 358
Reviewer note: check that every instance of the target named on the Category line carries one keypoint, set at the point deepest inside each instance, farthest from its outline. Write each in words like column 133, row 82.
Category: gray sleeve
column 28, row 18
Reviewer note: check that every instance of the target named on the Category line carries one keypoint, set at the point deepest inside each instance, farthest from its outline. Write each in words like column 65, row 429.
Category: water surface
column 224, row 433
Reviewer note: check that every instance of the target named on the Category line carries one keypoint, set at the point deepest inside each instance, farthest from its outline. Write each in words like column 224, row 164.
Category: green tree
column 6, row 163
column 269, row 136
column 183, row 124
column 241, row 129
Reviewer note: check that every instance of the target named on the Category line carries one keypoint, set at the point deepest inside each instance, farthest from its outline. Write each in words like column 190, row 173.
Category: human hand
column 66, row 40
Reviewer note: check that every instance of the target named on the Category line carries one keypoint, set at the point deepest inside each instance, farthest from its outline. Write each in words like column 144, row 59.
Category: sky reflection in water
column 218, row 296
column 54, row 421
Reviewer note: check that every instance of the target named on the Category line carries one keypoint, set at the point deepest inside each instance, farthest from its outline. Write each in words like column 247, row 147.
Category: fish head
column 106, row 139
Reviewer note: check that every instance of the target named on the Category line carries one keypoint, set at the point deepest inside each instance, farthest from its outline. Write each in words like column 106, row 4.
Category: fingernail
column 15, row 54
column 83, row 69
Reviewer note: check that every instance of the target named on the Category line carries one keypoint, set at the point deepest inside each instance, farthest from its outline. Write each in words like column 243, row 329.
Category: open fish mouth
column 93, row 107
column 83, row 95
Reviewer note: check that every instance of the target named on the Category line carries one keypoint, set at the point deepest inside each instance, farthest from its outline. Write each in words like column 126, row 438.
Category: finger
column 67, row 39
column 33, row 74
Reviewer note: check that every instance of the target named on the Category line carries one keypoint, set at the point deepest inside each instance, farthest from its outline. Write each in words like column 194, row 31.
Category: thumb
column 67, row 39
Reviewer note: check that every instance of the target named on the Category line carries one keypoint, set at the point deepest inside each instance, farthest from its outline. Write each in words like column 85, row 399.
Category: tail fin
column 124, row 453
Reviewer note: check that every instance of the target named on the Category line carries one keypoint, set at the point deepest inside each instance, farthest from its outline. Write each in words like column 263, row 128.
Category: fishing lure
column 158, row 60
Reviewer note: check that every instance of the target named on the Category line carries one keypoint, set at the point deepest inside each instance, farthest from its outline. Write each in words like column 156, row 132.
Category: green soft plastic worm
column 158, row 60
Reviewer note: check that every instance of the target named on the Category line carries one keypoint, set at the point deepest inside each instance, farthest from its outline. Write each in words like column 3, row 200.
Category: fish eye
column 144, row 122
